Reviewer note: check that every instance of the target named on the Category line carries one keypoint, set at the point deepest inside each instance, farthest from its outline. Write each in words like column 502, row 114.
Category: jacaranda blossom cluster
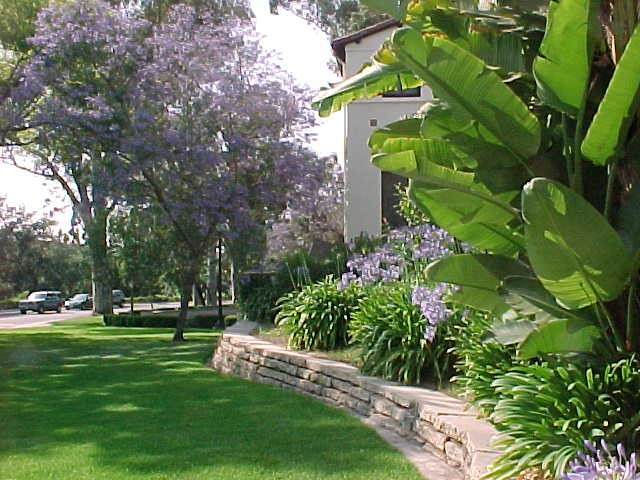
column 402, row 258
column 599, row 463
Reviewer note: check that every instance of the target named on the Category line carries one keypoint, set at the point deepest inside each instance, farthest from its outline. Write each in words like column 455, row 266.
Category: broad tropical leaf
column 573, row 250
column 495, row 166
column 471, row 214
column 526, row 295
column 608, row 130
column 563, row 65
column 466, row 83
column 478, row 276
column 512, row 330
column 478, row 270
column 407, row 129
column 560, row 336
column 373, row 80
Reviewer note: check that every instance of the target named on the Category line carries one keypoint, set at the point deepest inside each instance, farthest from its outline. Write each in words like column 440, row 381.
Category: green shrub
column 316, row 317
column 258, row 302
column 12, row 302
column 158, row 321
column 479, row 362
column 259, row 291
column 546, row 412
column 390, row 331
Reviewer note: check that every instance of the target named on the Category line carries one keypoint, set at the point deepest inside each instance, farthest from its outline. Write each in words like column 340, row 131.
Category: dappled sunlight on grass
column 85, row 401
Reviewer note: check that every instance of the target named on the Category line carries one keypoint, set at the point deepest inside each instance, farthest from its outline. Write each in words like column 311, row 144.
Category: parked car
column 82, row 301
column 118, row 297
column 41, row 302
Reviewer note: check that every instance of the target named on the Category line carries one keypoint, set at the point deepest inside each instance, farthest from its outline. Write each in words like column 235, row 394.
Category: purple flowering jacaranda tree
column 212, row 139
column 70, row 106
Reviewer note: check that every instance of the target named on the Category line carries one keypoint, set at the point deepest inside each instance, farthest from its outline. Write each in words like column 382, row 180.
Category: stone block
column 371, row 384
column 320, row 379
column 454, row 453
column 304, row 373
column 340, row 371
column 429, row 434
column 280, row 366
column 335, row 395
column 400, row 395
column 479, row 464
column 280, row 376
column 351, row 389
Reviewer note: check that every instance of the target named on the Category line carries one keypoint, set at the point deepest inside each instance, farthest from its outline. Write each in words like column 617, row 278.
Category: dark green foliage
column 390, row 331
column 407, row 209
column 260, row 291
column 479, row 362
column 258, row 302
column 547, row 411
column 317, row 317
column 158, row 321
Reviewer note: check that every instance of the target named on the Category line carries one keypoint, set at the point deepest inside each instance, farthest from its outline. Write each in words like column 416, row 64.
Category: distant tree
column 336, row 17
column 33, row 257
column 17, row 23
column 139, row 242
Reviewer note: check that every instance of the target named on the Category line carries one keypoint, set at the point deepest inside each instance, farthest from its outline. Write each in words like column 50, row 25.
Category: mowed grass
column 83, row 401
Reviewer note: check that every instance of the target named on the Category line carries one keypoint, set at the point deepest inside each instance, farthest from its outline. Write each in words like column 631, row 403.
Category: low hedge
column 158, row 321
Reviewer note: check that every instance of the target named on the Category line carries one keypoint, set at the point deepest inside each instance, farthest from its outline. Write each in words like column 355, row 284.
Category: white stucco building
column 369, row 193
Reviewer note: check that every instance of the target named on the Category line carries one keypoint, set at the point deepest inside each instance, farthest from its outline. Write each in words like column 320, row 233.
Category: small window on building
column 407, row 92
column 373, row 122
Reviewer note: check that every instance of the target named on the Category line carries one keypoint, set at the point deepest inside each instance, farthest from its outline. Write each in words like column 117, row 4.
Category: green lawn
column 82, row 401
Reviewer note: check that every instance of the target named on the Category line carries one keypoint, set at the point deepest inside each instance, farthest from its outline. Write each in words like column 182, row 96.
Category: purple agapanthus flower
column 599, row 463
column 432, row 306
column 399, row 258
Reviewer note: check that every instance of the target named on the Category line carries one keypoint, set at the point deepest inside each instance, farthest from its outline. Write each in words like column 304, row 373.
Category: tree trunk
column 96, row 228
column 178, row 335
column 187, row 280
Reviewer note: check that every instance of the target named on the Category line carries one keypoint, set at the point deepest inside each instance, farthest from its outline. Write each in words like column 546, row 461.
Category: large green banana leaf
column 565, row 335
column 539, row 301
column 495, row 166
column 452, row 200
column 573, row 250
column 470, row 88
column 478, row 276
column 469, row 215
column 563, row 65
column 371, row 81
column 406, row 135
column 608, row 130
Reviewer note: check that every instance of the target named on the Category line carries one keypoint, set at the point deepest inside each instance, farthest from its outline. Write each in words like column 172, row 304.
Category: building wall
column 363, row 192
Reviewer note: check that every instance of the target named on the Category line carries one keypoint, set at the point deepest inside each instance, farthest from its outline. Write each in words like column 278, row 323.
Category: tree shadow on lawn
column 150, row 407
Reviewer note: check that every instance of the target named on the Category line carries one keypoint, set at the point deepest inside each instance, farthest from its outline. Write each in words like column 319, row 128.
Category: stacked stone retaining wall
column 442, row 423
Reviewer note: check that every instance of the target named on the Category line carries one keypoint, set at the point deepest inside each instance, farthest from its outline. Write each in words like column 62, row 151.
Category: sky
column 302, row 49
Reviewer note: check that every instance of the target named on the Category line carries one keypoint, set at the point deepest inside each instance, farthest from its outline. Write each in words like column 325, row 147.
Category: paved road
column 14, row 319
